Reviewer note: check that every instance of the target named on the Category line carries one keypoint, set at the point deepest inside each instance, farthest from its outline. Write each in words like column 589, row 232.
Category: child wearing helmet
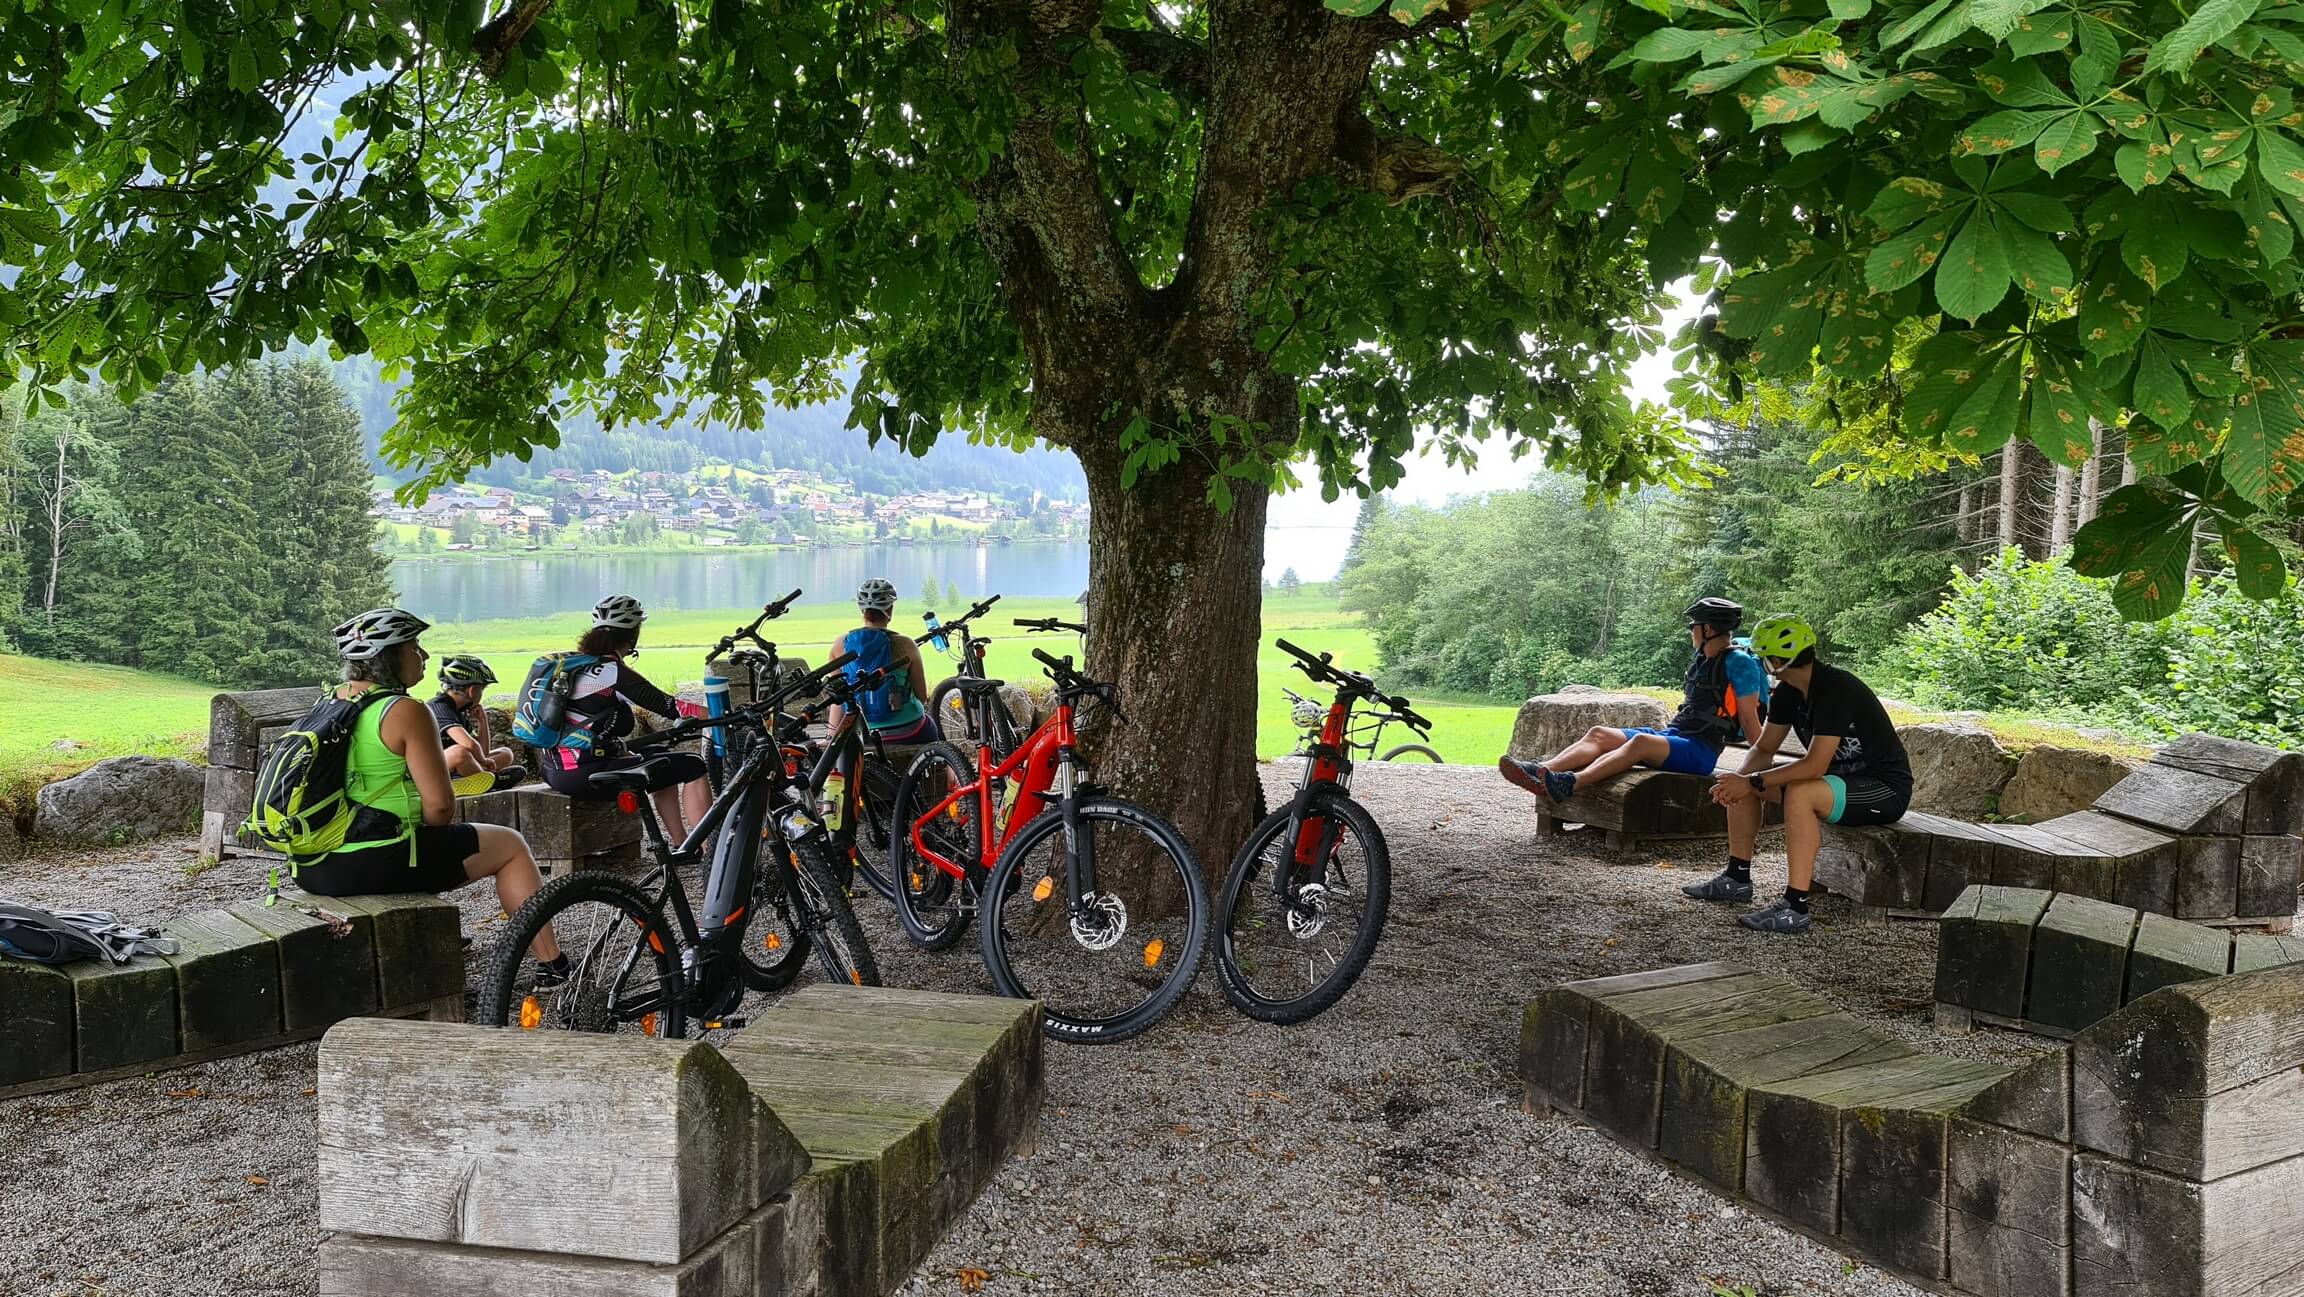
column 463, row 724
column 1724, row 695
column 1855, row 772
column 404, row 837
column 898, row 710
column 602, row 704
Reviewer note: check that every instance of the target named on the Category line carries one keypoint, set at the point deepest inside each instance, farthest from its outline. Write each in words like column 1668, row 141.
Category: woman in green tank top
column 403, row 838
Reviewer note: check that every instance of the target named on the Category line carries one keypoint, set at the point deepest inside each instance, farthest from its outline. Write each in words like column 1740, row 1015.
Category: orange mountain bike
column 1095, row 906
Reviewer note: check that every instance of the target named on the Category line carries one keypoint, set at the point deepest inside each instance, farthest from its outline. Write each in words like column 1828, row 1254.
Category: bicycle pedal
column 725, row 1024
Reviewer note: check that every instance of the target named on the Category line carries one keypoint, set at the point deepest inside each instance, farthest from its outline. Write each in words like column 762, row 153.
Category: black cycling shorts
column 441, row 850
column 576, row 780
column 1860, row 799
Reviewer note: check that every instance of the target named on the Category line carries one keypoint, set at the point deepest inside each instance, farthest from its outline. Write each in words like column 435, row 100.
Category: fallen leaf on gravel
column 257, row 1180
column 972, row 1279
column 1183, row 1129
column 183, row 1094
column 309, row 1092
column 1610, row 943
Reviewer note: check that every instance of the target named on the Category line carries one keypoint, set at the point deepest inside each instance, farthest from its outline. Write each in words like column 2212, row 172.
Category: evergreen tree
column 1371, row 509
column 1290, row 583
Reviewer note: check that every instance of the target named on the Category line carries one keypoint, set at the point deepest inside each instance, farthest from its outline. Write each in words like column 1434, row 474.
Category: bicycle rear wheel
column 776, row 941
column 932, row 905
column 1411, row 752
column 868, row 840
column 1108, row 967
column 830, row 922
column 623, row 957
column 1285, row 961
column 950, row 708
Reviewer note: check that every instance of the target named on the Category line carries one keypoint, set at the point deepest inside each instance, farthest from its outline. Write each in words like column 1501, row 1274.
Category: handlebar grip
column 986, row 606
column 1060, row 665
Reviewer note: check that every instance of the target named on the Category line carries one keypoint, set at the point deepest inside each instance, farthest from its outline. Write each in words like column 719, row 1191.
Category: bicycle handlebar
column 751, row 712
column 1050, row 624
column 768, row 613
column 1323, row 668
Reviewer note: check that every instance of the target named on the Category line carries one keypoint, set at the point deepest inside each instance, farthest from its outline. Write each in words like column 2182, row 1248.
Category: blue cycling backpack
column 540, row 720
column 892, row 705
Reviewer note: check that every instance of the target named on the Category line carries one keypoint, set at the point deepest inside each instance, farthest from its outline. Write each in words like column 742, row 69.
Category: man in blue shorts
column 1855, row 772
column 1724, row 694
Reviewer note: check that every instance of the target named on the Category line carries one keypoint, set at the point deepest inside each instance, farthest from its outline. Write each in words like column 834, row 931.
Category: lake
column 469, row 587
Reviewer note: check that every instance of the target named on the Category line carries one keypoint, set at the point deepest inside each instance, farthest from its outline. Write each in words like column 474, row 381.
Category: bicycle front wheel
column 833, row 932
column 1285, row 957
column 623, row 957
column 932, row 905
column 1105, row 965
column 869, row 838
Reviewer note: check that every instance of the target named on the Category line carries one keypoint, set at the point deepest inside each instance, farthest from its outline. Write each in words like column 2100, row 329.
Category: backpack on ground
column 540, row 719
column 892, row 701
column 62, row 936
column 303, row 805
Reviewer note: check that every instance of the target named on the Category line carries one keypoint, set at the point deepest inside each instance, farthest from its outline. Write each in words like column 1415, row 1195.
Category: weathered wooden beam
column 123, row 1014
column 559, row 827
column 227, row 981
column 2035, row 1099
column 1707, row 1081
column 2169, row 951
column 327, row 971
column 2177, row 800
column 533, row 1141
column 35, row 1022
column 1984, row 949
column 2266, row 884
column 2137, row 1231
column 2079, row 962
column 1624, row 1060
column 242, row 725
column 2207, row 877
column 2010, row 1220
column 744, row 1261
column 419, row 945
column 2254, row 950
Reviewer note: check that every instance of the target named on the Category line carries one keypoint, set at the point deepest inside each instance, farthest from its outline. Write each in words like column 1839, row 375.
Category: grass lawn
column 113, row 710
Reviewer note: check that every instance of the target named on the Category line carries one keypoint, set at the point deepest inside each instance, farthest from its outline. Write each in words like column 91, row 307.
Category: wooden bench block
column 2011, row 1230
column 2035, row 1099
column 2169, row 951
column 419, row 945
column 501, row 808
column 2266, row 886
column 2079, row 962
column 36, row 1022
column 624, row 858
column 1707, row 1080
column 2200, row 1080
column 744, row 1261
column 227, row 795
column 2254, row 950
column 324, row 978
column 239, row 724
column 2025, row 859
column 1624, row 1055
column 2176, row 800
column 123, row 1014
column 1983, row 949
column 1884, row 866
column 2207, row 877
column 2274, row 779
column 227, row 981
column 1553, row 1031
column 1961, row 858
column 2139, row 1232
column 537, row 1141
column 1796, row 1161
column 2144, row 861
column 560, row 827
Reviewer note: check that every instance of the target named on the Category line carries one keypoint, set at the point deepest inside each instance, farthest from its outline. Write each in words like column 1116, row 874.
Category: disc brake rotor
column 1309, row 914
column 1102, row 922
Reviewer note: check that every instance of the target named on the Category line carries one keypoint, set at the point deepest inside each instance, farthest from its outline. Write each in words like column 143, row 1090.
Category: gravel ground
column 1378, row 1149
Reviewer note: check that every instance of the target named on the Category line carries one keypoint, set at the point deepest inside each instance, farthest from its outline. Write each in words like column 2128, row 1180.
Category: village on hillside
column 713, row 507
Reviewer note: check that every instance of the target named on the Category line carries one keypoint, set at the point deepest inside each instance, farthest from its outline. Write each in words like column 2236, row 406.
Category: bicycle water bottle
column 935, row 636
column 835, row 797
column 716, row 704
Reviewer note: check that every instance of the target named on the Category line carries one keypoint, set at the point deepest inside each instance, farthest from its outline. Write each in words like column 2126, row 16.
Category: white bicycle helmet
column 369, row 634
column 876, row 595
column 621, row 611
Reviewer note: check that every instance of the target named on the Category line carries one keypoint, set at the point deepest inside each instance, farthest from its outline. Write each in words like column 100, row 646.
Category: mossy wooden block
column 1552, row 1042
column 2035, row 1099
column 419, row 946
column 123, row 1014
column 35, row 1022
column 1795, row 1132
column 326, row 975
column 1893, row 1199
column 1706, row 1082
column 832, row 1235
column 2079, row 962
column 227, row 981
column 2169, row 951
column 2011, row 1230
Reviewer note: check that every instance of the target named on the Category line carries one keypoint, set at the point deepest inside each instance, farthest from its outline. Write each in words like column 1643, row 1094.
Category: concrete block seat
column 1642, row 804
column 2207, row 831
column 243, row 979
column 2158, row 1153
column 2052, row 963
column 822, row 1154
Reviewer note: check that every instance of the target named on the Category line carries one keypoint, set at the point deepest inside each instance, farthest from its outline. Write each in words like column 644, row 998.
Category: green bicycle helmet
column 462, row 669
column 1783, row 638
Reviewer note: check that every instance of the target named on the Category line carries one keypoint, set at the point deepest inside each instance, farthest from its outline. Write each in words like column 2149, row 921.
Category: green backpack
column 303, row 807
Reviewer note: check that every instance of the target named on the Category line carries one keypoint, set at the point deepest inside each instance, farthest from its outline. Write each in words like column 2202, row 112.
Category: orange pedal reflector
column 1152, row 952
column 647, row 1024
column 771, row 942
column 531, row 1013
column 1044, row 889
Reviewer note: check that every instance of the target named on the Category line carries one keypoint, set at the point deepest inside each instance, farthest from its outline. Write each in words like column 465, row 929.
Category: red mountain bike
column 1305, row 901
column 1095, row 906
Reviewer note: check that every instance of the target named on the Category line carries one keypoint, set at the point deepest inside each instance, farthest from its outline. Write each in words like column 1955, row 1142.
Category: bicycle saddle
column 971, row 685
column 666, row 771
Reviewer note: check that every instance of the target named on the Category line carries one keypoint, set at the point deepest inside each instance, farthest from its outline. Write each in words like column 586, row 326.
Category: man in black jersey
column 1855, row 772
column 463, row 723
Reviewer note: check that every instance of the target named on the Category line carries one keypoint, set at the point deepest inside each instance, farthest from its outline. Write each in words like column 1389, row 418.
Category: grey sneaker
column 1780, row 917
column 1722, row 886
column 1527, row 775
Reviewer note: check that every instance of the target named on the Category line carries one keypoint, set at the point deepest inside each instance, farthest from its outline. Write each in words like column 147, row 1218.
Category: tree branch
column 1395, row 164
column 496, row 40
column 1178, row 62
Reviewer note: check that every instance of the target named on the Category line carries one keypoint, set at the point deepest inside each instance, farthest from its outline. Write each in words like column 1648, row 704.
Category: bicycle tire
column 869, row 838
column 1376, row 889
column 834, row 934
column 498, row 1003
column 950, row 708
column 788, row 941
column 921, row 904
column 1411, row 749
column 1056, row 1022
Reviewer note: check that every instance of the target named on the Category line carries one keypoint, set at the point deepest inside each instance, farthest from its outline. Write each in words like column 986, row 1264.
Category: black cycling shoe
column 551, row 977
column 1780, row 918
column 510, row 777
column 1722, row 886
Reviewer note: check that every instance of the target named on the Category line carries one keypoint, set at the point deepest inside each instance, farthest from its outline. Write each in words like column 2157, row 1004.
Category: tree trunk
column 1964, row 519
column 2011, row 491
column 1177, row 588
column 2060, row 513
column 2092, row 477
column 55, row 531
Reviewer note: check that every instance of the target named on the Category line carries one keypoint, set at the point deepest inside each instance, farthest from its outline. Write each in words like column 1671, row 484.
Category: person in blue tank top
column 897, row 711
